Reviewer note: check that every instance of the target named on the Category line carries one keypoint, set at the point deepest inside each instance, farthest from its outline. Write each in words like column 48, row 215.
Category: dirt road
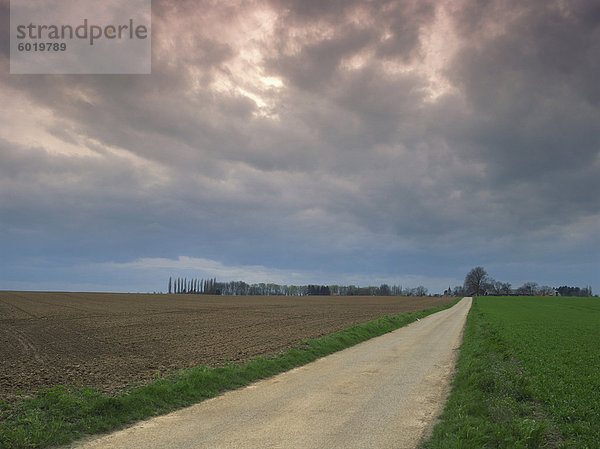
column 383, row 393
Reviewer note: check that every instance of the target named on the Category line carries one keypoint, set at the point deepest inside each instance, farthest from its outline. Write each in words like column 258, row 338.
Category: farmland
column 113, row 341
column 528, row 376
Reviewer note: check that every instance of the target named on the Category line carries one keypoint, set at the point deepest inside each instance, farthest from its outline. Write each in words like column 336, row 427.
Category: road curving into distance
column 383, row 393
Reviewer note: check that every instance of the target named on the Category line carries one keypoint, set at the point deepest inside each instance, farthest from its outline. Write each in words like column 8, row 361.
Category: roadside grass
column 528, row 376
column 59, row 415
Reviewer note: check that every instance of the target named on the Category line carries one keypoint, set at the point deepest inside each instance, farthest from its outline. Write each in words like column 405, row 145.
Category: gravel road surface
column 383, row 393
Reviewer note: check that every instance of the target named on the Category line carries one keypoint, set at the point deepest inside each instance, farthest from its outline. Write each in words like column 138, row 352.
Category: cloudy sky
column 308, row 141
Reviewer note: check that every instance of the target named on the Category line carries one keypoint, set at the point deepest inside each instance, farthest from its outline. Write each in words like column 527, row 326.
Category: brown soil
column 111, row 341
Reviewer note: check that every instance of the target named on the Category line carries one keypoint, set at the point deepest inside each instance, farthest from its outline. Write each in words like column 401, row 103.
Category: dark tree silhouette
column 475, row 281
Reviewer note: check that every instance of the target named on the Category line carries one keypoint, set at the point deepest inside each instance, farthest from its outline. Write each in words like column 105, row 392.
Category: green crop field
column 528, row 376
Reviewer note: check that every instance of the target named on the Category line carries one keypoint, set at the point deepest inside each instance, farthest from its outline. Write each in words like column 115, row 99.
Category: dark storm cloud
column 533, row 117
column 317, row 65
column 59, row 191
column 398, row 21
column 298, row 134
column 388, row 30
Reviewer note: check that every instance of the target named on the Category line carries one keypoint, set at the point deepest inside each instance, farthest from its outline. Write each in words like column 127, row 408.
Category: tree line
column 183, row 285
column 478, row 282
column 193, row 286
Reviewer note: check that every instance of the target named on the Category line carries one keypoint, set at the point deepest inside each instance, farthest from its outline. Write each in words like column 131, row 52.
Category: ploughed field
column 111, row 341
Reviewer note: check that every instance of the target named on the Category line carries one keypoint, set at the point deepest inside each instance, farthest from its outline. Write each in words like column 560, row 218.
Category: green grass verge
column 528, row 376
column 61, row 414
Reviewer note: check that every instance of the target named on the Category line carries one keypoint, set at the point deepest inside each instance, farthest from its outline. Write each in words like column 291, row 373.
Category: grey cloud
column 316, row 66
column 403, row 22
column 357, row 167
column 391, row 30
column 532, row 115
column 54, row 184
column 300, row 12
column 389, row 107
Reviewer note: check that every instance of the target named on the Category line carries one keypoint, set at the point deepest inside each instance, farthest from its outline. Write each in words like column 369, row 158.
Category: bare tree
column 475, row 281
column 419, row 291
column 528, row 289
column 385, row 290
column 546, row 290
column 498, row 288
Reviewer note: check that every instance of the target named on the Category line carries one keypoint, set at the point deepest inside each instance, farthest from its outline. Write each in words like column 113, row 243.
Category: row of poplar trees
column 194, row 286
